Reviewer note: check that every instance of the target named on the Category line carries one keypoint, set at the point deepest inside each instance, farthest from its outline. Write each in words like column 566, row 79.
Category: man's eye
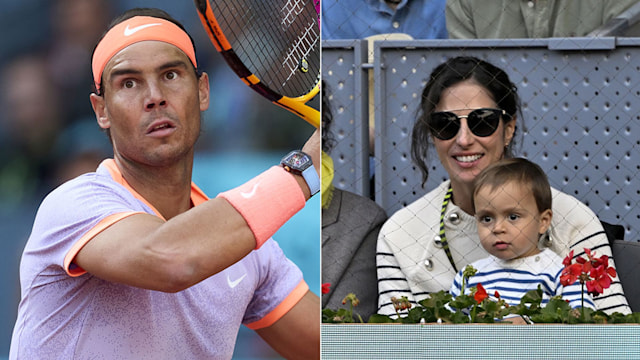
column 171, row 75
column 129, row 84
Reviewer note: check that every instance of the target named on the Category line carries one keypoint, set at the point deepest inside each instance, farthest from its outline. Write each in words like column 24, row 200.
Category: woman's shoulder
column 564, row 203
column 572, row 220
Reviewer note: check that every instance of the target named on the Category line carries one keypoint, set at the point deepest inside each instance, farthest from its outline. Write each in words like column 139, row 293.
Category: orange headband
column 136, row 29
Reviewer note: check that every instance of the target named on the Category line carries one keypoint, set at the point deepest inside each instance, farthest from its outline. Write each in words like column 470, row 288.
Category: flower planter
column 480, row 341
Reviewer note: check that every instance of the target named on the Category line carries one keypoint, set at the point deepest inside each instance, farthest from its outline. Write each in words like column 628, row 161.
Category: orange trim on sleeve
column 116, row 175
column 103, row 224
column 287, row 304
column 197, row 195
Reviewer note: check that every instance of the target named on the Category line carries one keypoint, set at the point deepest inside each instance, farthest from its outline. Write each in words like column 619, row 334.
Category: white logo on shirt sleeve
column 234, row 283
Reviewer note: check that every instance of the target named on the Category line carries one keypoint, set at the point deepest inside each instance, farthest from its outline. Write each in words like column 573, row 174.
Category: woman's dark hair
column 328, row 141
column 452, row 72
column 157, row 13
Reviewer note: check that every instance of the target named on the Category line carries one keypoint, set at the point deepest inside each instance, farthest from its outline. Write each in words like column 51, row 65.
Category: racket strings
column 278, row 41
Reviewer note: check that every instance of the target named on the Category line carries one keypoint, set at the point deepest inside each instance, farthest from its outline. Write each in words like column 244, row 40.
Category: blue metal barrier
column 580, row 104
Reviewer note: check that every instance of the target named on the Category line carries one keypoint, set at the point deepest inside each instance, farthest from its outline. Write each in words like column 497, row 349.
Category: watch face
column 297, row 161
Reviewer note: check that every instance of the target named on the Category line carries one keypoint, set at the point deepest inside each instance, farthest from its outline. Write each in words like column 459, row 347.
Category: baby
column 512, row 202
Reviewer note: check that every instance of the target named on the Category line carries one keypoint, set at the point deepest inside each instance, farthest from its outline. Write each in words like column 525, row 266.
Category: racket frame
column 296, row 105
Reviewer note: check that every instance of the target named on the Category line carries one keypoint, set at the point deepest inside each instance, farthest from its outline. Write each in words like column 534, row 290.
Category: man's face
column 151, row 103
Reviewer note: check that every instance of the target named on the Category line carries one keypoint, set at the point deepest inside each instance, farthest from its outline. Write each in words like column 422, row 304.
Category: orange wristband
column 266, row 202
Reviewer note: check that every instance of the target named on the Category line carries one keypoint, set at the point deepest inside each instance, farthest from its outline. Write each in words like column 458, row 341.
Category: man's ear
column 97, row 102
column 203, row 93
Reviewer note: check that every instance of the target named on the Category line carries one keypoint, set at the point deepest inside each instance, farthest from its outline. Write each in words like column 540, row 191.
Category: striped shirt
column 513, row 278
column 410, row 263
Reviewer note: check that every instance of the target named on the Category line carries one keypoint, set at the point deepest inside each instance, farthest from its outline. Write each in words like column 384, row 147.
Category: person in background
column 512, row 203
column 350, row 226
column 375, row 20
column 75, row 27
column 32, row 121
column 359, row 19
column 469, row 113
column 503, row 19
column 82, row 149
column 134, row 260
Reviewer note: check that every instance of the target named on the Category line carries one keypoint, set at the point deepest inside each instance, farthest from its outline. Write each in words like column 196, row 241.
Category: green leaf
column 463, row 301
column 459, row 318
column 382, row 319
column 532, row 297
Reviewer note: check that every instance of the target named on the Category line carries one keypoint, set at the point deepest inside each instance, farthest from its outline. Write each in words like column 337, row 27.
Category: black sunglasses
column 482, row 122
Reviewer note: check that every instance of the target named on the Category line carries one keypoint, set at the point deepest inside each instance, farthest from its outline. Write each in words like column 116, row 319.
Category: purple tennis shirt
column 67, row 313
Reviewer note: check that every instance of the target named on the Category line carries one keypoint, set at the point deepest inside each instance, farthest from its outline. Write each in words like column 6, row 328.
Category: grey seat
column 627, row 257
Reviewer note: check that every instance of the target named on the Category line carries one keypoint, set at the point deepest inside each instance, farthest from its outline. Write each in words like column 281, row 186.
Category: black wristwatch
column 299, row 163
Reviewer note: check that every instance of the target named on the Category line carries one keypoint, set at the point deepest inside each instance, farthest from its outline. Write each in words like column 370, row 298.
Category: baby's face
column 509, row 223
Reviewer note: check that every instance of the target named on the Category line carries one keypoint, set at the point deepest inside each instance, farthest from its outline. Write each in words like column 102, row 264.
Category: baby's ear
column 545, row 221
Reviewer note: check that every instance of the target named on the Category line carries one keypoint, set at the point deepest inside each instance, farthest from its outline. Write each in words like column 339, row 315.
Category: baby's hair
column 521, row 171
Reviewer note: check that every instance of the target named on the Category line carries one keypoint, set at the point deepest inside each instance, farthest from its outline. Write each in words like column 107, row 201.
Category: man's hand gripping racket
column 272, row 45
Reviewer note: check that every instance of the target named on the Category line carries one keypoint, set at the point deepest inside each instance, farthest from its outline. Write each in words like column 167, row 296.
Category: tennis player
column 134, row 261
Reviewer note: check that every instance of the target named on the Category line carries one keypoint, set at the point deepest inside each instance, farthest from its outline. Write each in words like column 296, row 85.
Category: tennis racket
column 272, row 45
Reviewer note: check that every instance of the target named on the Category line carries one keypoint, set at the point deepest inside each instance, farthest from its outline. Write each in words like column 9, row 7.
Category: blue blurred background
column 48, row 132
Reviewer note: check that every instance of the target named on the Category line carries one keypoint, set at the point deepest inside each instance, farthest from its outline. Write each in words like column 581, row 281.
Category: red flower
column 599, row 283
column 570, row 274
column 567, row 260
column 593, row 271
column 480, row 294
column 602, row 261
column 326, row 287
column 595, row 262
column 601, row 276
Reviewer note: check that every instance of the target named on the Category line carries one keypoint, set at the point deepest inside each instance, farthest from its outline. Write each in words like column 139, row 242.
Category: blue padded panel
column 346, row 83
column 580, row 102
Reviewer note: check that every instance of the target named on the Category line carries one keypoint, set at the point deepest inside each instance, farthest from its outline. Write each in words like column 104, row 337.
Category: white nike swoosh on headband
column 130, row 31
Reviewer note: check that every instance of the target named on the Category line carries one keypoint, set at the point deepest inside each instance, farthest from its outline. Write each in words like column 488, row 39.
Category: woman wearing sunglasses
column 468, row 113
